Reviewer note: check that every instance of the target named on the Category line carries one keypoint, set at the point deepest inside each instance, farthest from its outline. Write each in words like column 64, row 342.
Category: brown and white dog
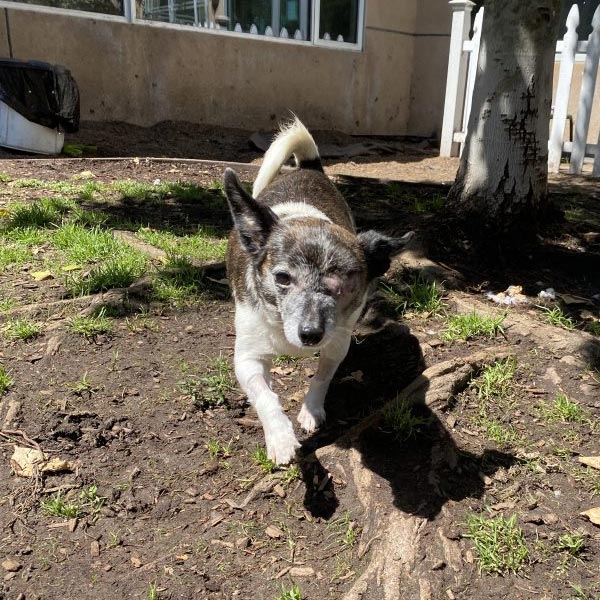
column 299, row 275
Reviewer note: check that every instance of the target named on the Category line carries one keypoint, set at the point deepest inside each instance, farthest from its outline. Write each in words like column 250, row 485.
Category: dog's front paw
column 311, row 418
column 281, row 441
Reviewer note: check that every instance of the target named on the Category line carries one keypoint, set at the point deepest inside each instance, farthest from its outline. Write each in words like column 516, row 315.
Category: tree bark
column 500, row 191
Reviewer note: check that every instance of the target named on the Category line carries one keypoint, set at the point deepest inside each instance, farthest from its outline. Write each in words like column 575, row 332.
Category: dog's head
column 314, row 272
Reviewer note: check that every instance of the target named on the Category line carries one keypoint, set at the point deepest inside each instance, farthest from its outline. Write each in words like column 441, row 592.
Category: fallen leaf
column 274, row 532
column 69, row 268
column 83, row 175
column 136, row 562
column 593, row 514
column 590, row 461
column 42, row 275
column 302, row 571
column 28, row 462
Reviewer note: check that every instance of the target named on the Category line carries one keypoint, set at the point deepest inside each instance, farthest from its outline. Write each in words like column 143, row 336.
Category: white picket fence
column 462, row 66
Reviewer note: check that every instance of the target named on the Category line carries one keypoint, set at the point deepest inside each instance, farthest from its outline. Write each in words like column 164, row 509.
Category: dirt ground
column 171, row 499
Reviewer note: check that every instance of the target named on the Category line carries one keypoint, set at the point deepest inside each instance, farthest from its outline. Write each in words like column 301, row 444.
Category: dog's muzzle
column 311, row 335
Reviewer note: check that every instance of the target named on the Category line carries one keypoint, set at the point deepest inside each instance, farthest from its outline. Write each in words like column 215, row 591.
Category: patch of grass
column 21, row 329
column 7, row 303
column 217, row 448
column 5, row 379
column 203, row 244
column 82, row 386
column 83, row 245
column 178, row 281
column 56, row 506
column 556, row 316
column 399, row 417
column 117, row 272
column 291, row 473
column 292, row 593
column 29, row 183
column 13, row 256
column 42, row 213
column 499, row 543
column 259, row 456
column 153, row 592
column 572, row 543
column 420, row 296
column 90, row 327
column 472, row 325
column 5, row 178
column 563, row 410
column 87, row 502
column 285, row 360
column 496, row 379
column 499, row 432
column 209, row 391
column 593, row 327
column 27, row 236
column 346, row 530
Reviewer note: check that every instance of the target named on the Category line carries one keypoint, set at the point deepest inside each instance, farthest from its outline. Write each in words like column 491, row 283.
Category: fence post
column 588, row 83
column 563, row 90
column 129, row 10
column 455, row 80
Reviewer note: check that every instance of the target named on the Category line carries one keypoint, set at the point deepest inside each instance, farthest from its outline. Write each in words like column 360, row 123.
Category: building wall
column 146, row 73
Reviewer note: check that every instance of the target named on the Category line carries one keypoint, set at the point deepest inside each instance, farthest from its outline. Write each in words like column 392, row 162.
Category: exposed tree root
column 584, row 347
column 403, row 548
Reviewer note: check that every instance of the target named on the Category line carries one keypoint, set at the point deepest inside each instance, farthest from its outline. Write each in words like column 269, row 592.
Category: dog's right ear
column 253, row 221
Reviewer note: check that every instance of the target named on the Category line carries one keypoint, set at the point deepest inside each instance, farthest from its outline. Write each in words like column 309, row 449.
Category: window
column 336, row 23
column 328, row 22
column 107, row 7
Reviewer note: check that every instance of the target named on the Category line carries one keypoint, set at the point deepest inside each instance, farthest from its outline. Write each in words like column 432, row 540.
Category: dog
column 300, row 276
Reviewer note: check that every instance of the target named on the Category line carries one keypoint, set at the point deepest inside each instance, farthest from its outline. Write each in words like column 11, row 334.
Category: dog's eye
column 282, row 278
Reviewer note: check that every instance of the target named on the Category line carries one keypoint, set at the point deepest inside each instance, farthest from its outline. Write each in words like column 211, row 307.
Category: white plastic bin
column 21, row 134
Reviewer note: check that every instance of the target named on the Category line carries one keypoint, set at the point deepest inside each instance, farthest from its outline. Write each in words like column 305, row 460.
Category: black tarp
column 43, row 93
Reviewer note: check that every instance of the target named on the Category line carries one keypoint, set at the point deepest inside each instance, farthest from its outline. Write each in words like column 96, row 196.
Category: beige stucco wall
column 144, row 74
column 594, row 130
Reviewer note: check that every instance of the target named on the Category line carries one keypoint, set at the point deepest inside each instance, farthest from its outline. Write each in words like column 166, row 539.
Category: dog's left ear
column 252, row 220
column 379, row 249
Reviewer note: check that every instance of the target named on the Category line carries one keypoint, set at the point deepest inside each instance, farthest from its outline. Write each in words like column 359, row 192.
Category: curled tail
column 295, row 139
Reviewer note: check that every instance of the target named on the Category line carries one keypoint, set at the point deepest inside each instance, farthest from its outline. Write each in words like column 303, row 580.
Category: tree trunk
column 500, row 190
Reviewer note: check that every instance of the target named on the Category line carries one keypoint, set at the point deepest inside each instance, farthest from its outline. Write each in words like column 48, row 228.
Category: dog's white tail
column 293, row 138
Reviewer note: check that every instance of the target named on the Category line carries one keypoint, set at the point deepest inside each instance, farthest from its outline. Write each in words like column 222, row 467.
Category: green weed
column 420, row 296
column 572, row 543
column 472, row 325
column 496, row 379
column 292, row 593
column 13, row 256
column 55, row 506
column 259, row 456
column 209, row 391
column 92, row 326
column 563, row 410
column 5, row 379
column 555, row 316
column 399, row 417
column 499, row 543
column 21, row 329
column 42, row 213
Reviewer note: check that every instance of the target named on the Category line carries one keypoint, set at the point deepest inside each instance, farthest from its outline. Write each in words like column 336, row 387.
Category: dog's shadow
column 425, row 470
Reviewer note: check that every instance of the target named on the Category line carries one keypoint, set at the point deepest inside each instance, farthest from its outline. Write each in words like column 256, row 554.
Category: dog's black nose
column 310, row 335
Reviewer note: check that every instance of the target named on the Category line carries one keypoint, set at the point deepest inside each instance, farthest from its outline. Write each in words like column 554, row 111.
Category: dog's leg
column 312, row 413
column 253, row 375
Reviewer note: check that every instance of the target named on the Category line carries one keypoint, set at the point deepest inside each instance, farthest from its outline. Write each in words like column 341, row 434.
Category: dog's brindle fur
column 299, row 276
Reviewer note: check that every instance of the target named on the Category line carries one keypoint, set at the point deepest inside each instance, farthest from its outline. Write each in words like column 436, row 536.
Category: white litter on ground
column 547, row 294
column 511, row 296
